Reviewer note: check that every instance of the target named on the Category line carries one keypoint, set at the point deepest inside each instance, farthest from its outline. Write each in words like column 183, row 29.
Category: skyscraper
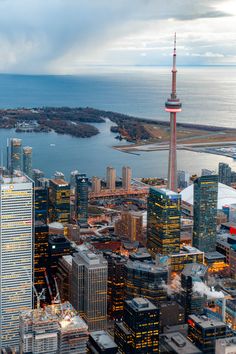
column 96, row 185
column 59, row 198
column 16, row 154
column 27, row 160
column 225, row 173
column 81, row 196
column 163, row 221
column 16, row 259
column 89, row 288
column 173, row 106
column 115, row 284
column 130, row 225
column 126, row 177
column 205, row 213
column 40, row 254
column 139, row 331
column 41, row 204
column 111, row 178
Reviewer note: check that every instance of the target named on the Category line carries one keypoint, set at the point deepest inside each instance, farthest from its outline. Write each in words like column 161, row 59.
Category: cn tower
column 173, row 105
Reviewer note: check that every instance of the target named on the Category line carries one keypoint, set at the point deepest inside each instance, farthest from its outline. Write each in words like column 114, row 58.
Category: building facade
column 16, row 259
column 89, row 288
column 130, row 225
column 126, row 177
column 81, row 196
column 163, row 221
column 139, row 331
column 59, row 198
column 145, row 280
column 111, row 178
column 205, row 213
column 27, row 160
column 40, row 254
column 15, row 155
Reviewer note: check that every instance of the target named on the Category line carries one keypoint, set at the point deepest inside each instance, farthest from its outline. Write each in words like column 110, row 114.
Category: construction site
column 54, row 329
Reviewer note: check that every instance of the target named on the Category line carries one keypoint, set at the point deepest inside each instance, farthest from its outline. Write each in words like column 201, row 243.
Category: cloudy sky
column 60, row 36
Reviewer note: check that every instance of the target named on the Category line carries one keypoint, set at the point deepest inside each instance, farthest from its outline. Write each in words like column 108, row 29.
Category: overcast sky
column 60, row 36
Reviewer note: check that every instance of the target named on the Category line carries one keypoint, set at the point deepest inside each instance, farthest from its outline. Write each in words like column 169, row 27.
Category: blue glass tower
column 82, row 198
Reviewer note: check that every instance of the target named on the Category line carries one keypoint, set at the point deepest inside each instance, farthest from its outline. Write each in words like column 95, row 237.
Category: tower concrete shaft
column 173, row 105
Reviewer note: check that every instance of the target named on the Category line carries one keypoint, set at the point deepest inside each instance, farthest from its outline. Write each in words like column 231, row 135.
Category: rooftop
column 141, row 304
column 211, row 256
column 59, row 182
column 103, row 339
column 195, row 270
column 64, row 314
column 179, row 344
column 146, row 267
column 206, row 322
column 90, row 258
column 165, row 192
column 14, row 179
column 226, row 342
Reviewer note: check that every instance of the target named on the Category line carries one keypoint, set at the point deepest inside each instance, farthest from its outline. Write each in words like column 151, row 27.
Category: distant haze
column 61, row 36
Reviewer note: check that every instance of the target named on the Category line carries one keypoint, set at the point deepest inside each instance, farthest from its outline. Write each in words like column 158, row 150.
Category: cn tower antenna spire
column 173, row 106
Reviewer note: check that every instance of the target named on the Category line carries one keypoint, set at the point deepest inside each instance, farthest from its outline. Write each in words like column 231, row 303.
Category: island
column 145, row 134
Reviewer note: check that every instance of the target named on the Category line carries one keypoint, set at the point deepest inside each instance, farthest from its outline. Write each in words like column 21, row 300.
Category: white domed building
column 226, row 197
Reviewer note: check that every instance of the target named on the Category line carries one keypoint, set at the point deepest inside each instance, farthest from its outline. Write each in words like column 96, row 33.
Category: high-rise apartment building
column 224, row 172
column 130, row 226
column 16, row 154
column 96, row 185
column 89, row 288
column 163, row 221
column 205, row 213
column 126, row 177
column 145, row 280
column 139, row 331
column 81, row 195
column 56, row 329
column 16, row 258
column 111, row 178
column 27, row 160
column 59, row 198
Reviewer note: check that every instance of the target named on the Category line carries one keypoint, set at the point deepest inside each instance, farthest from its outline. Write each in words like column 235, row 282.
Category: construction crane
column 57, row 298
column 48, row 285
column 39, row 296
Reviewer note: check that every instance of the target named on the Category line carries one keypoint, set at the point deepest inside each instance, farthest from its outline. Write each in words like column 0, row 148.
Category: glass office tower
column 16, row 255
column 163, row 221
column 205, row 213
column 16, row 154
column 82, row 198
column 27, row 160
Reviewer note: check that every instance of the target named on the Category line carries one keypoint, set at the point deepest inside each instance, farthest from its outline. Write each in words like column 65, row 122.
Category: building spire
column 174, row 71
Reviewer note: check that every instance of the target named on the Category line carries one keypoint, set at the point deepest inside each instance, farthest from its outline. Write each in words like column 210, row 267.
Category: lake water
column 208, row 95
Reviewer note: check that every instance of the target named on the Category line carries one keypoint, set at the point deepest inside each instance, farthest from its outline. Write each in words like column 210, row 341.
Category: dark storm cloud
column 36, row 33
